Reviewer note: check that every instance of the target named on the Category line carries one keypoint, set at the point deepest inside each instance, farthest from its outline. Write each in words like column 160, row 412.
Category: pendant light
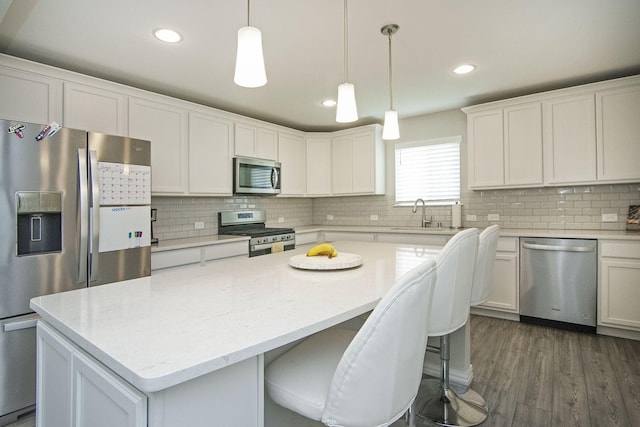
column 346, row 110
column 391, row 129
column 249, row 59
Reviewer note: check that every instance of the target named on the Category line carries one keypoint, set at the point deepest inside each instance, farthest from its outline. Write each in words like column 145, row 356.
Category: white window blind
column 428, row 170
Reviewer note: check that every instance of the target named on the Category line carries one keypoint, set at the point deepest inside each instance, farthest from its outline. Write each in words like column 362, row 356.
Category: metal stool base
column 444, row 407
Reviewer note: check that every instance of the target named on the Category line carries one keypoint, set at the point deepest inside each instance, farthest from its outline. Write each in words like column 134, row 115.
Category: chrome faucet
column 425, row 222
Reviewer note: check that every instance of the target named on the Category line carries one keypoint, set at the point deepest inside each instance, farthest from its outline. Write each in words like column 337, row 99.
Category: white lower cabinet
column 75, row 390
column 414, row 239
column 198, row 254
column 619, row 284
column 504, row 294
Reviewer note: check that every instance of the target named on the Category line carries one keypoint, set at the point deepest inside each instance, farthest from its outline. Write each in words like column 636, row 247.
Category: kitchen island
column 190, row 342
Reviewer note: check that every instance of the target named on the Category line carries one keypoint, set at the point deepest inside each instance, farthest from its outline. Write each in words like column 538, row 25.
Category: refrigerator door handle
column 83, row 214
column 22, row 322
column 95, row 215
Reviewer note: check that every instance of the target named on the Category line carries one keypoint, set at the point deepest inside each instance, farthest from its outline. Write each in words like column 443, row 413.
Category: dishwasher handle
column 539, row 247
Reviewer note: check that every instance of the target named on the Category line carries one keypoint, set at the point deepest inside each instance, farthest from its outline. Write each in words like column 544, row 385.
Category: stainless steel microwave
column 256, row 176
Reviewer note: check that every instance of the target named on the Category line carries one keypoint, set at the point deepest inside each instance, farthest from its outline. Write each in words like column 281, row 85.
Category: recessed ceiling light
column 329, row 103
column 167, row 35
column 464, row 69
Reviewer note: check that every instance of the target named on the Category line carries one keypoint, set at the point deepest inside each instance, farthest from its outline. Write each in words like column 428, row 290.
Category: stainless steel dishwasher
column 558, row 283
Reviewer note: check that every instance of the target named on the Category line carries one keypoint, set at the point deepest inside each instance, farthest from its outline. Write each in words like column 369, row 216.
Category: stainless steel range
column 252, row 223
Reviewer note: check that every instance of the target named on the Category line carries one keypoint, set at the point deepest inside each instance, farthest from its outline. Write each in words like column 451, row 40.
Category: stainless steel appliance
column 558, row 283
column 256, row 176
column 252, row 223
column 75, row 210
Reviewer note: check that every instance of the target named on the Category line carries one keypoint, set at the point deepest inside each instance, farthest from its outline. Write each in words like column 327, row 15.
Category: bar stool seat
column 365, row 378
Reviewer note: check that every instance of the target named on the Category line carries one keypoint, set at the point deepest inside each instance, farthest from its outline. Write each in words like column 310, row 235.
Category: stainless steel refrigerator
column 74, row 212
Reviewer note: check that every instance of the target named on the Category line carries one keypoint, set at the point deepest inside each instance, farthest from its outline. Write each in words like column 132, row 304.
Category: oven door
column 266, row 248
column 256, row 176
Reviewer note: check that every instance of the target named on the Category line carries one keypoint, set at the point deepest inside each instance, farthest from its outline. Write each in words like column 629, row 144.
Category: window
column 429, row 170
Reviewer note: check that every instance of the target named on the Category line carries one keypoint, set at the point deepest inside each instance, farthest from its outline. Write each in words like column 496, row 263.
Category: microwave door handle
column 275, row 177
column 84, row 214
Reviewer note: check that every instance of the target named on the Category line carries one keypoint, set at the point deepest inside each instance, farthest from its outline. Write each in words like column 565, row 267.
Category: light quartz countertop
column 179, row 324
column 505, row 232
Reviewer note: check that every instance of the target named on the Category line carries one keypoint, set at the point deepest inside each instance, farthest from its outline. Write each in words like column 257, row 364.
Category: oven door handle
column 269, row 245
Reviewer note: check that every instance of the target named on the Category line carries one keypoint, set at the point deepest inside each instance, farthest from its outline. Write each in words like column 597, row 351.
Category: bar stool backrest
column 452, row 294
column 485, row 261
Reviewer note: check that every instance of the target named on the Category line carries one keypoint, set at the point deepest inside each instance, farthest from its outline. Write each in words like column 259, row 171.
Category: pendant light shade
column 391, row 130
column 250, row 70
column 346, row 111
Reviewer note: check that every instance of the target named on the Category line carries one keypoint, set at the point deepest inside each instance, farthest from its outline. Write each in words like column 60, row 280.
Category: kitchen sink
column 424, row 229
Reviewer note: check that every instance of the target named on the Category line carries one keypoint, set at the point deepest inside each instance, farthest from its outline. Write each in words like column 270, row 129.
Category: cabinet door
column 54, row 377
column 342, row 165
column 319, row 166
column 364, row 163
column 618, row 128
column 486, row 156
column 570, row 140
column 102, row 399
column 254, row 141
column 166, row 127
column 523, row 144
column 210, row 155
column 620, row 293
column 504, row 284
column 292, row 153
column 29, row 97
column 266, row 144
column 94, row 109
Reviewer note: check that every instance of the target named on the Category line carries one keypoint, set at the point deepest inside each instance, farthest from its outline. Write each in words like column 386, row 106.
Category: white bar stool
column 456, row 263
column 365, row 378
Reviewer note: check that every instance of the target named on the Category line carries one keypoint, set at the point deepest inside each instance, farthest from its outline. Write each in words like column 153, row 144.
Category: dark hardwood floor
column 536, row 376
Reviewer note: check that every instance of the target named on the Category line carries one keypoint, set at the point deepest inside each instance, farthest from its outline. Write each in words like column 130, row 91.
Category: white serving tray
column 343, row 261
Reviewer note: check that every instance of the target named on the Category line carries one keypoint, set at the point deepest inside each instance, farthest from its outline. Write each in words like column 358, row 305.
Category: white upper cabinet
column 588, row 135
column 318, row 165
column 570, row 139
column 485, row 144
column 210, row 155
column 618, row 133
column 292, row 154
column 256, row 141
column 358, row 161
column 95, row 109
column 29, row 97
column 505, row 147
column 165, row 125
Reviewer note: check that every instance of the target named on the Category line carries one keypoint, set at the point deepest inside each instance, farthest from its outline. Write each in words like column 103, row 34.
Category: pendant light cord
column 248, row 13
column 390, row 75
column 346, row 44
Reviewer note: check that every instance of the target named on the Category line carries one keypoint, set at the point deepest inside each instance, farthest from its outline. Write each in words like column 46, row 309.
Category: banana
column 323, row 249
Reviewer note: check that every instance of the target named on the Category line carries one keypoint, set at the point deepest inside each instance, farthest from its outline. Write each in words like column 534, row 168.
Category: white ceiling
column 519, row 47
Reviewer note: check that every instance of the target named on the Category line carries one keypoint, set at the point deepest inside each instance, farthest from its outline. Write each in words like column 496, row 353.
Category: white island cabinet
column 189, row 343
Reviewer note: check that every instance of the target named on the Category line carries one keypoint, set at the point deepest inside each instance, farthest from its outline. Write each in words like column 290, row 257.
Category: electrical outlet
column 373, row 217
column 472, row 218
column 329, row 217
column 610, row 217
column 280, row 219
column 199, row 225
column 494, row 217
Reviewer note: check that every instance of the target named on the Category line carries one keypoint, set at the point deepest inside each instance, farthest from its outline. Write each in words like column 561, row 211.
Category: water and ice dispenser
column 39, row 219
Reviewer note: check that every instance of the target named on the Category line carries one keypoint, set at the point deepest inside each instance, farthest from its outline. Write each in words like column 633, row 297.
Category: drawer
column 620, row 249
column 507, row 244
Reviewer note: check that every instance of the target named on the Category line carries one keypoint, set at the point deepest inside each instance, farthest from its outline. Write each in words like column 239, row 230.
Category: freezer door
column 120, row 208
column 38, row 202
column 17, row 363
